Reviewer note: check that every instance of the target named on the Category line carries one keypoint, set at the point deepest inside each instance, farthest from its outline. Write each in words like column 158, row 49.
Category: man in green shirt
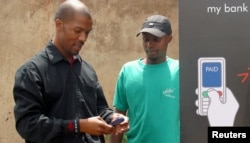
column 147, row 89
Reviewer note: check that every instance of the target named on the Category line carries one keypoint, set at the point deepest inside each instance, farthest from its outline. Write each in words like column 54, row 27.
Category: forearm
column 116, row 138
column 31, row 121
column 43, row 129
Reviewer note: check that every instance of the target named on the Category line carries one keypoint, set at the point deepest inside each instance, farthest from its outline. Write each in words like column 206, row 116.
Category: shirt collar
column 55, row 55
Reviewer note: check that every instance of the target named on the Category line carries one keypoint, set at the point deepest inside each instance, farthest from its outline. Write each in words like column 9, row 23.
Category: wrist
column 81, row 123
column 72, row 125
column 76, row 125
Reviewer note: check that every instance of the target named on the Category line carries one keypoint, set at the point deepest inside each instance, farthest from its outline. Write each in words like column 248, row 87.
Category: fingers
column 96, row 126
column 120, row 129
column 107, row 129
column 197, row 101
column 104, row 127
column 197, row 91
column 214, row 97
column 117, row 129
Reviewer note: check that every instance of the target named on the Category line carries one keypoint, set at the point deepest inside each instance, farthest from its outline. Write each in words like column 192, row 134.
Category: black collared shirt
column 51, row 94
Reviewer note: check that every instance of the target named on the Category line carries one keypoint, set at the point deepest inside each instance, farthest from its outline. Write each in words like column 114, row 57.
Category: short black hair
column 68, row 8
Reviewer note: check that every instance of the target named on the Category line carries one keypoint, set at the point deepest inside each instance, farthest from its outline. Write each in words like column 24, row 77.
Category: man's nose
column 147, row 44
column 83, row 37
column 150, row 44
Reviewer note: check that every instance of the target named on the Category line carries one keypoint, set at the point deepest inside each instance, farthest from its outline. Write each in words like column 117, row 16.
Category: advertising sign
column 214, row 70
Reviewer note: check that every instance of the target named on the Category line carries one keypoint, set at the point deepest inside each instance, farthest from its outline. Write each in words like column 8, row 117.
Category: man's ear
column 59, row 24
column 169, row 38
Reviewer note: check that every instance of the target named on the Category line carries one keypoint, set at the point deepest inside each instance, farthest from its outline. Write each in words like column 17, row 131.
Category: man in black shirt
column 57, row 94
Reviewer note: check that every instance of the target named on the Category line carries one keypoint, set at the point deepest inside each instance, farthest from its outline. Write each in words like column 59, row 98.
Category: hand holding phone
column 211, row 77
column 117, row 121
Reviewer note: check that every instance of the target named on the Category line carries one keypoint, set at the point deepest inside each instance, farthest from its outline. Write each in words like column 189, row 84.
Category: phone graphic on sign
column 211, row 76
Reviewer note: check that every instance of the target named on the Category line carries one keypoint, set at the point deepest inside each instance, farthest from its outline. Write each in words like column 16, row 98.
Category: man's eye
column 156, row 39
column 78, row 31
column 145, row 40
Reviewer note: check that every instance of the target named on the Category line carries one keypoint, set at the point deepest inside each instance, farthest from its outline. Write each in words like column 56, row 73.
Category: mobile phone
column 117, row 121
column 211, row 76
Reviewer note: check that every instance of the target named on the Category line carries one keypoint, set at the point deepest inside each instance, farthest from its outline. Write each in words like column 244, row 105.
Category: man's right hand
column 95, row 126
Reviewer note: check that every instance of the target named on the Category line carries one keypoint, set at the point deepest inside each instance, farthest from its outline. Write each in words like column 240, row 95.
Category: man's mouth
column 151, row 51
column 79, row 45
